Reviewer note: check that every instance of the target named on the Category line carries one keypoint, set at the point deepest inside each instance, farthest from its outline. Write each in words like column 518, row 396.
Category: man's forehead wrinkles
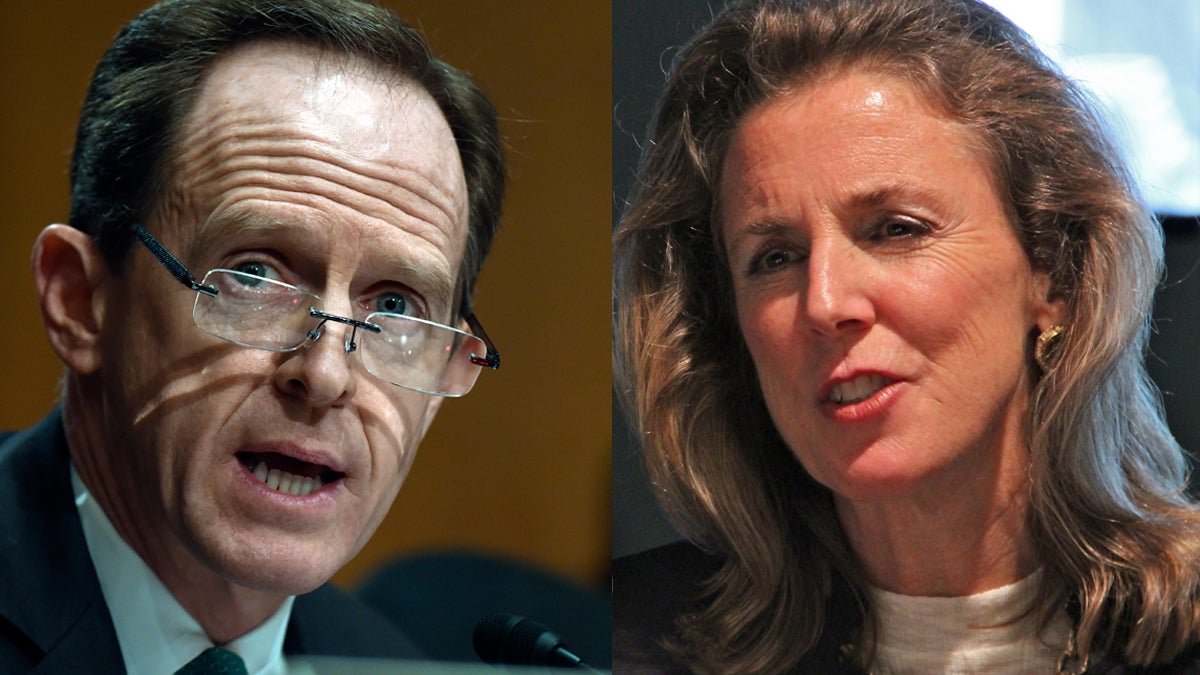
column 332, row 148
column 304, row 214
column 220, row 149
column 396, row 206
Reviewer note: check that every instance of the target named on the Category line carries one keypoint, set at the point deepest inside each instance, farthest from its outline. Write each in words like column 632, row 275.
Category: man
column 278, row 213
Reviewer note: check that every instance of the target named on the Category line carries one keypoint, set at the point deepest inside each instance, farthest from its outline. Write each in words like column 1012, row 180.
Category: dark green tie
column 214, row 660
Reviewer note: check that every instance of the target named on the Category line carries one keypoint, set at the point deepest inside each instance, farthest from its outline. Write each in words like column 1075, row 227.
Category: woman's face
column 880, row 288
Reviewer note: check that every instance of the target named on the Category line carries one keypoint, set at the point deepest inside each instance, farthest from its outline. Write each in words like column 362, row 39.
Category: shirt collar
column 155, row 632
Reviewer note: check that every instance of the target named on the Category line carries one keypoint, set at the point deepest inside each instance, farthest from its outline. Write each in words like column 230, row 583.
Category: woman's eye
column 775, row 259
column 394, row 303
column 900, row 228
column 772, row 259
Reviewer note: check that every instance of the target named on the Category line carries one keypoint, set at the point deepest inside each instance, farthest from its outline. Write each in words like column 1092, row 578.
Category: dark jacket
column 652, row 589
column 53, row 618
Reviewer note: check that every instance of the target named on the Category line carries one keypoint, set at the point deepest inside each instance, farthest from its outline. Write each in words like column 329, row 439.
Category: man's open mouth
column 288, row 475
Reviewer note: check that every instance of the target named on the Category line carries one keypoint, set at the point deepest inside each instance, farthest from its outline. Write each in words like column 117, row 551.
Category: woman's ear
column 70, row 274
column 1049, row 309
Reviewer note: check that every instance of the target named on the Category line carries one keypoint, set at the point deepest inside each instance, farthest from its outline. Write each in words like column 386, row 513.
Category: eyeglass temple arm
column 492, row 359
column 176, row 268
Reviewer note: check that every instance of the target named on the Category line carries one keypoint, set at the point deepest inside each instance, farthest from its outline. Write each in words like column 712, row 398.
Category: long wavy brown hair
column 1115, row 532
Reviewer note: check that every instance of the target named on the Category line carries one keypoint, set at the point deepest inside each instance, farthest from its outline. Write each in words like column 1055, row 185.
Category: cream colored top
column 991, row 632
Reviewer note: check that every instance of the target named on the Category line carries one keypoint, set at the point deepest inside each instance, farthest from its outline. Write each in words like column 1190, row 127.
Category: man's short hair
column 148, row 79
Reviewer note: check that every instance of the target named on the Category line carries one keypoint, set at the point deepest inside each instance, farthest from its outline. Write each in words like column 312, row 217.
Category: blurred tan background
column 521, row 466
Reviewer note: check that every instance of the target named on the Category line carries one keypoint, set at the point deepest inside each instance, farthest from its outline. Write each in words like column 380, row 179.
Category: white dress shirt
column 155, row 632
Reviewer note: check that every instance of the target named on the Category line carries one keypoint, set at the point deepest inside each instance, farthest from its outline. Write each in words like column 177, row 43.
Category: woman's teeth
column 859, row 389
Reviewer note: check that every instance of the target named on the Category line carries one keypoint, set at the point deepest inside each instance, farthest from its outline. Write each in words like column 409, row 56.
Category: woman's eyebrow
column 865, row 200
column 757, row 229
column 902, row 192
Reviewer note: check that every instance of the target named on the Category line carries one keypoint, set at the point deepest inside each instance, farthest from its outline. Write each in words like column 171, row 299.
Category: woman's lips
column 860, row 397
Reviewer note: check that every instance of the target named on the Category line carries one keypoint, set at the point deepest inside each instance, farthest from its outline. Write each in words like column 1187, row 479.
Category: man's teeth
column 287, row 483
column 859, row 389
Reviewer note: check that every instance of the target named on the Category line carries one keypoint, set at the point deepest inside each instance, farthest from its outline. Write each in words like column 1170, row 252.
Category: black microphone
column 515, row 640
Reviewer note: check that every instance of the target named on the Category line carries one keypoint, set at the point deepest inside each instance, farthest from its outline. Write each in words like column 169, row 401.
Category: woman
column 882, row 297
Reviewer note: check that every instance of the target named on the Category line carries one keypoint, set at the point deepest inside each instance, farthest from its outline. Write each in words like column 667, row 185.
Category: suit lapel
column 51, row 594
column 51, row 600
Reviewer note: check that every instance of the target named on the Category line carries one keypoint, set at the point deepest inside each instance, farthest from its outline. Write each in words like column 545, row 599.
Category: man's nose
column 837, row 299
column 321, row 372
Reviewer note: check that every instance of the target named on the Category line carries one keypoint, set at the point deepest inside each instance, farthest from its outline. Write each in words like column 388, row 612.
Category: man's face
column 304, row 167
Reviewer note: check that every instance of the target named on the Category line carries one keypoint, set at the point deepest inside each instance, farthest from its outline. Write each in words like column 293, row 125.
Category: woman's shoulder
column 651, row 590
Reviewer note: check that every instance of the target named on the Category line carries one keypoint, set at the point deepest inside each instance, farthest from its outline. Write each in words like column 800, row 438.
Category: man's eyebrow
column 215, row 228
column 436, row 284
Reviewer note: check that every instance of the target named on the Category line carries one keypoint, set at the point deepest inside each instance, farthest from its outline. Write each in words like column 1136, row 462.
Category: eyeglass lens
column 257, row 312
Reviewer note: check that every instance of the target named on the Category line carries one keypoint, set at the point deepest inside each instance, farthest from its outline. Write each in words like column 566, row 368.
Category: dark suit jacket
column 652, row 589
column 53, row 618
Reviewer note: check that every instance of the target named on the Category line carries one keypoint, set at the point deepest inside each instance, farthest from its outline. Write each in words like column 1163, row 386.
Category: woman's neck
column 960, row 535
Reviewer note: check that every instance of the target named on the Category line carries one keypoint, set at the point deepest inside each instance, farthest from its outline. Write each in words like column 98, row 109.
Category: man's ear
column 70, row 273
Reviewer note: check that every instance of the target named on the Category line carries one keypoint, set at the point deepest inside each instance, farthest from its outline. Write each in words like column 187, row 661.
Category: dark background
column 646, row 34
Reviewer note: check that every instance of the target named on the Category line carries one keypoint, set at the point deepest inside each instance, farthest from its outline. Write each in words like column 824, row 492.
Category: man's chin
column 278, row 564
column 253, row 537
column 278, row 577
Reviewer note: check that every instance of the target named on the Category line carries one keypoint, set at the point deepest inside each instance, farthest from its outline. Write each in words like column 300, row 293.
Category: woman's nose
column 837, row 299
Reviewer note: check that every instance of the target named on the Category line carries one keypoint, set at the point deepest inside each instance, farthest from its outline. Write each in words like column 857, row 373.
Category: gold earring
column 1047, row 345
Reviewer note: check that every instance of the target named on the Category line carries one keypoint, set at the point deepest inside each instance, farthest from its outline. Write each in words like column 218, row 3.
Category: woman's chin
column 881, row 481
